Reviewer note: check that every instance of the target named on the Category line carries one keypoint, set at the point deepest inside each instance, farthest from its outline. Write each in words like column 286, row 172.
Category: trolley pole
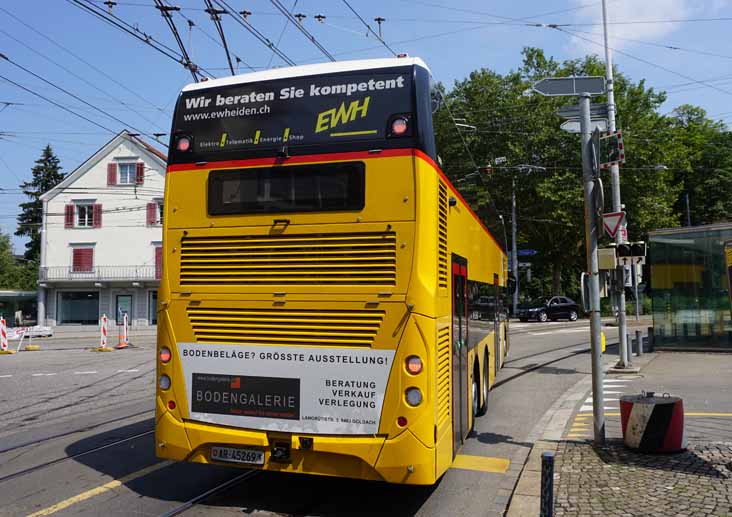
column 622, row 235
column 588, row 180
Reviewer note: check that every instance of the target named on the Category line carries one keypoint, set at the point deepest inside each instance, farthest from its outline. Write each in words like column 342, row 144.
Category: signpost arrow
column 559, row 86
column 573, row 126
column 572, row 112
column 612, row 222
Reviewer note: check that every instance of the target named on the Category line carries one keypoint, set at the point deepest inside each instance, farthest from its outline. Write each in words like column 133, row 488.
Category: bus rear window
column 298, row 188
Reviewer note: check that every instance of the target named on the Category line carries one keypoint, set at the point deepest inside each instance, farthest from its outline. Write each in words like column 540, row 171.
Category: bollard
column 639, row 340
column 103, row 322
column 547, row 484
column 628, row 351
column 651, row 338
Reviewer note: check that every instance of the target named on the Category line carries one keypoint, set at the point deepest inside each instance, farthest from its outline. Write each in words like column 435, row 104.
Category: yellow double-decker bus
column 329, row 303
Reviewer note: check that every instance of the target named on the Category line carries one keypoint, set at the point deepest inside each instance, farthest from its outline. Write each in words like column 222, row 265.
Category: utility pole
column 588, row 180
column 514, row 251
column 622, row 235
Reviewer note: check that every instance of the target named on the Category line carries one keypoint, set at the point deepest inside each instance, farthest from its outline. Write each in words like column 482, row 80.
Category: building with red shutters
column 101, row 237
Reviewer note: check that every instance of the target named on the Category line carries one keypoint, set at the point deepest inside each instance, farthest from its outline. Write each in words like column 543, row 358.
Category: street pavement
column 77, row 438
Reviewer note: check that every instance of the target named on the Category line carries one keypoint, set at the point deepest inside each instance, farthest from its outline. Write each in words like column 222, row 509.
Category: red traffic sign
column 613, row 222
column 612, row 149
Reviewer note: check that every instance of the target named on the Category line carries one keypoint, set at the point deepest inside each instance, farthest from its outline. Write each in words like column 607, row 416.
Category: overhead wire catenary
column 37, row 76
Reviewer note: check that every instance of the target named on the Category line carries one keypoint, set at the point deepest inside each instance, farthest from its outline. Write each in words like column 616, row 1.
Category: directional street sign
column 573, row 126
column 559, row 86
column 572, row 112
column 527, row 253
column 612, row 222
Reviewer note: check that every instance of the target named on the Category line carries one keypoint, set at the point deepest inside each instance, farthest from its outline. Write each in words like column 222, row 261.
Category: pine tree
column 46, row 175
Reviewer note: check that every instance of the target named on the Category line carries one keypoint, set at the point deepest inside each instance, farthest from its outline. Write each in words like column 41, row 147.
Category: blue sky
column 131, row 81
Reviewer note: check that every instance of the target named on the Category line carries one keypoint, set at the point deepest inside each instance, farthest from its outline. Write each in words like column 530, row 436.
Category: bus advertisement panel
column 295, row 111
column 282, row 388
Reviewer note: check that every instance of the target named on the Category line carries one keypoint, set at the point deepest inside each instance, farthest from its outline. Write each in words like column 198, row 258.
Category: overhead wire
column 115, row 21
column 378, row 37
column 114, row 80
column 645, row 61
column 216, row 19
column 241, row 20
column 187, row 62
column 83, row 79
column 299, row 26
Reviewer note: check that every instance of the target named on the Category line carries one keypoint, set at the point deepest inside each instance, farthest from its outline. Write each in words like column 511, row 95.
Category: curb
column 546, row 436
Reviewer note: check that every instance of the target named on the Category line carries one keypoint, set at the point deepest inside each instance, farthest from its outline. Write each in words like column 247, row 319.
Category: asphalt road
column 76, row 439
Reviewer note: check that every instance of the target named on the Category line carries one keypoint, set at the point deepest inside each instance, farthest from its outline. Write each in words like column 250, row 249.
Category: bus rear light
column 171, row 404
column 402, row 421
column 413, row 396
column 414, row 364
column 399, row 126
column 183, row 144
column 164, row 382
column 165, row 354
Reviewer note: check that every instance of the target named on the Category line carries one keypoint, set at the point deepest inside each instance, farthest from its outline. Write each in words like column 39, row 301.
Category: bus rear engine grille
column 323, row 259
column 285, row 326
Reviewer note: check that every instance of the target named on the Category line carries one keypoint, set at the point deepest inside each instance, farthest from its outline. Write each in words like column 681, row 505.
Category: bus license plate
column 233, row 455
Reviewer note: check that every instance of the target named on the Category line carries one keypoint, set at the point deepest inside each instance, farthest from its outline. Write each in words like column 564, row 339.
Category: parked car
column 553, row 308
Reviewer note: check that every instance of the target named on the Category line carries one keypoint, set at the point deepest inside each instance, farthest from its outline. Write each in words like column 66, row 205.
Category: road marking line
column 481, row 463
column 85, row 373
column 585, row 409
column 42, row 374
column 690, row 414
column 5, row 376
column 99, row 490
column 588, row 400
column 127, row 371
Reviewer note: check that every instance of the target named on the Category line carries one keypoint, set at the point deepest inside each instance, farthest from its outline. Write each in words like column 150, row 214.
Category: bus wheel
column 484, row 386
column 476, row 396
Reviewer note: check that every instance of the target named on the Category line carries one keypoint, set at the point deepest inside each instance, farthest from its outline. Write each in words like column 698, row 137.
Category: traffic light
column 630, row 252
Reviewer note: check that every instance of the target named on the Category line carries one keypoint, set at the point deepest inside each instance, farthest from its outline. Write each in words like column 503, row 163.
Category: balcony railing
column 100, row 273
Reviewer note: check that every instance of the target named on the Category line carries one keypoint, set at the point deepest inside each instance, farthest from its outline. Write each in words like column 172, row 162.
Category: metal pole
column 688, row 211
column 634, row 272
column 588, row 181
column 615, row 179
column 639, row 339
column 514, row 252
column 546, row 508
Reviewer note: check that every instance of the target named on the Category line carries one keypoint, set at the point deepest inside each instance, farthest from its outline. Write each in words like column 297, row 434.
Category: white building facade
column 101, row 238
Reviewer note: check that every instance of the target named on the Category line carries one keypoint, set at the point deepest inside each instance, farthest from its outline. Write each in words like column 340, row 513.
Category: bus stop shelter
column 690, row 287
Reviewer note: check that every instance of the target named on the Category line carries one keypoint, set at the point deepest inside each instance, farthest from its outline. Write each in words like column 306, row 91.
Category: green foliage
column 12, row 274
column 666, row 156
column 46, row 175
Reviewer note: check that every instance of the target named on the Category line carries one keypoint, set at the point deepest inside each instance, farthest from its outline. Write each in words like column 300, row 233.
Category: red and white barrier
column 103, row 330
column 124, row 340
column 3, row 335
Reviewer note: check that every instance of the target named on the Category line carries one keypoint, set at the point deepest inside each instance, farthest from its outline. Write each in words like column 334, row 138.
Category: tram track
column 211, row 492
column 56, row 461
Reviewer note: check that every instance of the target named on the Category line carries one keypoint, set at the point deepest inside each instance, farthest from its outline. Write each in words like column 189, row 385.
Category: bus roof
column 306, row 70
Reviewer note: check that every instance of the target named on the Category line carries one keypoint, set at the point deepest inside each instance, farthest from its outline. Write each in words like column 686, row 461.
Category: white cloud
column 620, row 35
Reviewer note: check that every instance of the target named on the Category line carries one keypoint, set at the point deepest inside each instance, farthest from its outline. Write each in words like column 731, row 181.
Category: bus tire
column 484, row 386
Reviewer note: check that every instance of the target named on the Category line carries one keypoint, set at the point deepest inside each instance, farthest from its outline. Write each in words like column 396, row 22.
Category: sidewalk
column 615, row 481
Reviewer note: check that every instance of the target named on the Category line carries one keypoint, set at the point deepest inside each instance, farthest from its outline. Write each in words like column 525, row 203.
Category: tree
column 12, row 274
column 498, row 120
column 46, row 175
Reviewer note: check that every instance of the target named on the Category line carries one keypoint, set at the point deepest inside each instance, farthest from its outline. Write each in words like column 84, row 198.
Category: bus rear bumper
column 403, row 459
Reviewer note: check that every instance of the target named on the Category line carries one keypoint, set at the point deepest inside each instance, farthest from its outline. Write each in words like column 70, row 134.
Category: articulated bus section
column 294, row 336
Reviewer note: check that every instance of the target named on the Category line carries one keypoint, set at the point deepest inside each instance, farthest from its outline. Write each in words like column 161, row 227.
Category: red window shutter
column 69, row 216
column 83, row 260
column 97, row 216
column 158, row 262
column 152, row 213
column 139, row 173
column 111, row 173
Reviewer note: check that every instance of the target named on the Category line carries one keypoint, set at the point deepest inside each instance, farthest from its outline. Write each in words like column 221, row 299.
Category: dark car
column 554, row 308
